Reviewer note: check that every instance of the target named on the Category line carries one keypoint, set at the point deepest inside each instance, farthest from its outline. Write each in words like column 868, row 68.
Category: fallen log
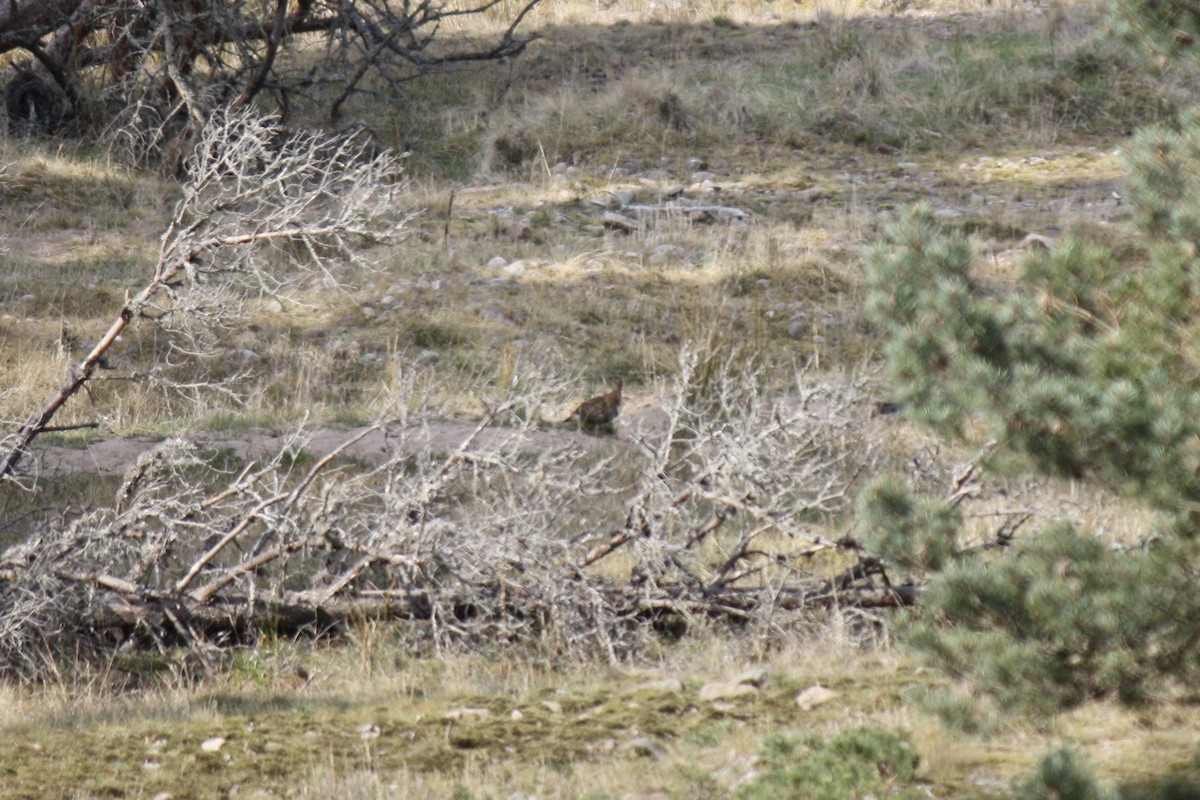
column 229, row 616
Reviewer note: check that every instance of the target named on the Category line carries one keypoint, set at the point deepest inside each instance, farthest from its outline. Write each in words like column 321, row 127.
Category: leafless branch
column 250, row 191
column 711, row 513
column 188, row 58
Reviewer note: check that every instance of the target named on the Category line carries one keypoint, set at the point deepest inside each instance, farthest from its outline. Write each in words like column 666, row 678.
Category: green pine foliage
column 1083, row 371
column 1060, row 776
column 1090, row 369
column 1063, row 775
column 857, row 763
column 915, row 533
column 1063, row 619
column 1170, row 27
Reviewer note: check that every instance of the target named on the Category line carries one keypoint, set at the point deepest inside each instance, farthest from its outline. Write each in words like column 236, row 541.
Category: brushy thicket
column 512, row 536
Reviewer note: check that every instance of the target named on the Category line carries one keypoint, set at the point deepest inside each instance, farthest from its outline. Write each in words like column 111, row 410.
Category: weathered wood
column 40, row 422
column 127, row 607
column 16, row 15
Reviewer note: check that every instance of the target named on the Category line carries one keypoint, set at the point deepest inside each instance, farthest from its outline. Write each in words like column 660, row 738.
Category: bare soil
column 640, row 423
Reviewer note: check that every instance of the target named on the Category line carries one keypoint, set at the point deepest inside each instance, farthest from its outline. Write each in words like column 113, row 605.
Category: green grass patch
column 858, row 762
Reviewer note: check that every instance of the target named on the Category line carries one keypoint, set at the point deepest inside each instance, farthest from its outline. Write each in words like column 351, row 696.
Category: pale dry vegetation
column 750, row 395
column 638, row 100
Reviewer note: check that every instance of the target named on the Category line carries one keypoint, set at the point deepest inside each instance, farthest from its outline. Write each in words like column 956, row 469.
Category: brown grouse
column 599, row 410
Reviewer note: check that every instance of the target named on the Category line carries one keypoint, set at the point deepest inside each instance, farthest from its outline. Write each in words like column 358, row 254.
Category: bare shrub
column 176, row 63
column 581, row 547
column 263, row 216
column 507, row 534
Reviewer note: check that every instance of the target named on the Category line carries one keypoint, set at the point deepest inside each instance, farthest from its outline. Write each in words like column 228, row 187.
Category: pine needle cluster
column 1088, row 370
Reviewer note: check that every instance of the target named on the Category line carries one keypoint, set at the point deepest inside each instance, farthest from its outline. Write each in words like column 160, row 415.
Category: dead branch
column 190, row 58
column 298, row 613
column 247, row 190
column 709, row 519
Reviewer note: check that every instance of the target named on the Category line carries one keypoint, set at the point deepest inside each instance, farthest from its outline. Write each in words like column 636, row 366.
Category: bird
column 601, row 409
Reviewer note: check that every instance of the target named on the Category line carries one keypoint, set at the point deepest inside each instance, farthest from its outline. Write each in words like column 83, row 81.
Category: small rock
column 1037, row 241
column 369, row 312
column 752, row 677
column 797, row 326
column 163, row 796
column 553, row 706
column 516, row 715
column 726, row 690
column 814, row 696
column 623, row 197
column 644, row 746
column 499, row 262
column 620, row 222
column 697, row 163
column 516, row 268
column 212, row 745
column 368, row 731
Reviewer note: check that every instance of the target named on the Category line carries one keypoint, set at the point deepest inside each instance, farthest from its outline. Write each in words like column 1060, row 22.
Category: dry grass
column 372, row 722
column 817, row 119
